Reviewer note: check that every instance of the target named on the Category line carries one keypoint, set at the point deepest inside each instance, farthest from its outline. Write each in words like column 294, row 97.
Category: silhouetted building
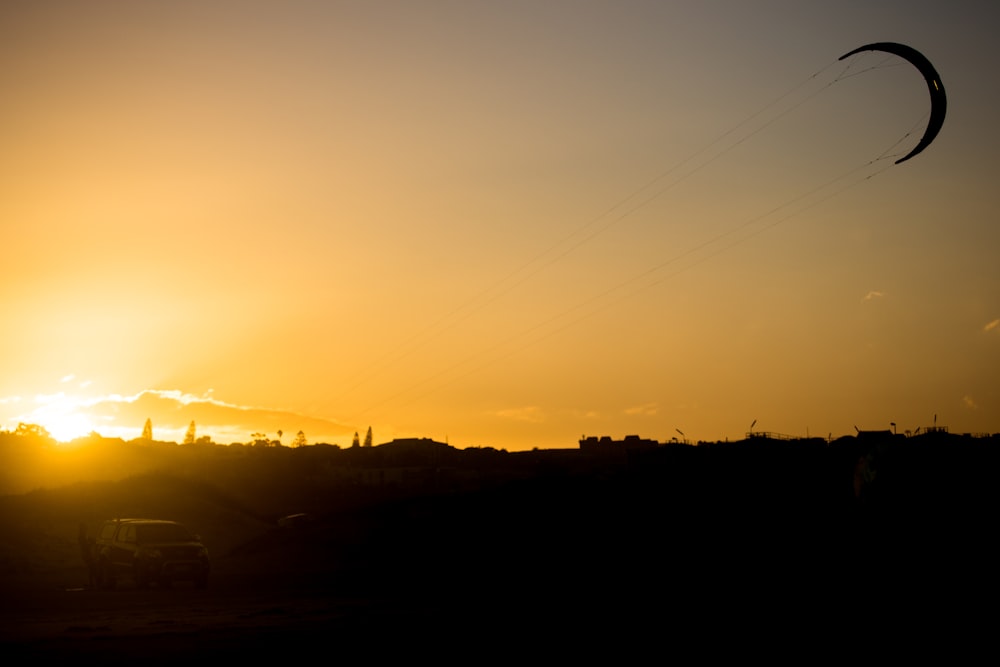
column 874, row 435
column 605, row 444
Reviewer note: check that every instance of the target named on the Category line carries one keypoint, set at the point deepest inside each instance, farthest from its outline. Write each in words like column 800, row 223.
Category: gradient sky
column 501, row 224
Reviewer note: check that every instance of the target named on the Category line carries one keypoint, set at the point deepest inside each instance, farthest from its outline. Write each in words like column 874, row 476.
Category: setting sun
column 60, row 415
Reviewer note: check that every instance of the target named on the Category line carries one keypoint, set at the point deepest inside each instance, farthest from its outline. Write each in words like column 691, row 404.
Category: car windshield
column 162, row 532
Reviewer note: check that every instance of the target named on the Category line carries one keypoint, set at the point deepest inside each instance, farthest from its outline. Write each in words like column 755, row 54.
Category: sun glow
column 61, row 416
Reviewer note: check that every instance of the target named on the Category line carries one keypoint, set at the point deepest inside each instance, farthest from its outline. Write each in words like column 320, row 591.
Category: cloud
column 874, row 294
column 531, row 414
column 645, row 410
column 992, row 326
column 174, row 410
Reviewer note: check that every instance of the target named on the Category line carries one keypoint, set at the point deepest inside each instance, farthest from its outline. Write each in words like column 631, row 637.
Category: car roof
column 140, row 521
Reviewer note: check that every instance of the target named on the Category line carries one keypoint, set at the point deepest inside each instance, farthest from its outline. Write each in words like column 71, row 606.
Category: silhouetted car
column 150, row 551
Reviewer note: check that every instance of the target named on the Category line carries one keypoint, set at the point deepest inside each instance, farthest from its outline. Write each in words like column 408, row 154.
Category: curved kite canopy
column 939, row 103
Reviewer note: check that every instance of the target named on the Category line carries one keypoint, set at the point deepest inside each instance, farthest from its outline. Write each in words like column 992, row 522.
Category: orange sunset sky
column 499, row 224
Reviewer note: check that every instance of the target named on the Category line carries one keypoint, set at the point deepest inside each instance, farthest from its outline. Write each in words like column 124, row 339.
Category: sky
column 506, row 224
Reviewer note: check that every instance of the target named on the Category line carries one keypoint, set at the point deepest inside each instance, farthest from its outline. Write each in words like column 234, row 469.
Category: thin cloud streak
column 646, row 409
column 531, row 414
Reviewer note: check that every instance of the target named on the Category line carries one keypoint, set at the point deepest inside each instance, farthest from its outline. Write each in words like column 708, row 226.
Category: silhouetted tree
column 259, row 440
column 356, row 442
column 278, row 441
column 300, row 440
column 147, row 430
column 32, row 431
column 368, row 437
column 189, row 437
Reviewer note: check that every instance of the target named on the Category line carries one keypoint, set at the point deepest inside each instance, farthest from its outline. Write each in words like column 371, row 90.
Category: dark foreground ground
column 670, row 560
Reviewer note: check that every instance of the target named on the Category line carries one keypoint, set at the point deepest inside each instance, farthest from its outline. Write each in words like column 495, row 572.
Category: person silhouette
column 87, row 547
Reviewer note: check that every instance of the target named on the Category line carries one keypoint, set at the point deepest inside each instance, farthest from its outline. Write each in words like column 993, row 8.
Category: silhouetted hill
column 575, row 530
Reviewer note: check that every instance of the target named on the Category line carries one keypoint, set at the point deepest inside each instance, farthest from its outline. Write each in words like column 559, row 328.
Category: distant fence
column 770, row 435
